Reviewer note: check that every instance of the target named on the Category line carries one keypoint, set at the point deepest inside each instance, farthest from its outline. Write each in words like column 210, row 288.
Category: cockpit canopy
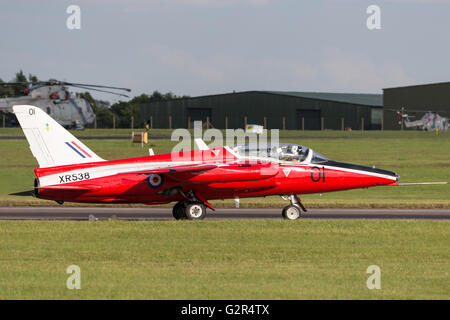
column 283, row 151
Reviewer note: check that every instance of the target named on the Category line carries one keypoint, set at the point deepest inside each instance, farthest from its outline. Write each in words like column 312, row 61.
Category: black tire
column 195, row 211
column 178, row 211
column 291, row 212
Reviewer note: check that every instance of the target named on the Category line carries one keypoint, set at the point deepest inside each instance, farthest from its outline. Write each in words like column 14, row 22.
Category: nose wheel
column 291, row 212
column 294, row 210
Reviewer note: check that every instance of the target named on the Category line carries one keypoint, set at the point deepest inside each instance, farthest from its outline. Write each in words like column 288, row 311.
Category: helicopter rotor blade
column 415, row 111
column 63, row 83
column 14, row 83
column 94, row 86
column 54, row 82
column 111, row 92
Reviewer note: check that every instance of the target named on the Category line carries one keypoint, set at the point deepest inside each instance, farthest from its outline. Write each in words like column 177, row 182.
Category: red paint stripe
column 81, row 149
column 193, row 154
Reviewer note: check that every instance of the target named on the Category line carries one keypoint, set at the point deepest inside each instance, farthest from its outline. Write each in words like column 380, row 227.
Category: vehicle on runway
column 70, row 171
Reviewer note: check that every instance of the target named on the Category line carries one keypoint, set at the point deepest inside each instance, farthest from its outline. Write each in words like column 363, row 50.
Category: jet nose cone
column 390, row 174
column 385, row 174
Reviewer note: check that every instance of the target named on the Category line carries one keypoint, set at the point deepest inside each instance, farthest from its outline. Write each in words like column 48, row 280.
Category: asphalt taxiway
column 159, row 213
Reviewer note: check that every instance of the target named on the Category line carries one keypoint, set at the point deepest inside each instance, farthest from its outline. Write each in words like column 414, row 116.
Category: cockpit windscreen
column 282, row 151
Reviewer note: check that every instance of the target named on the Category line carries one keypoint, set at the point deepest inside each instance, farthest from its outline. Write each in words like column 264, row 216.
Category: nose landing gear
column 294, row 210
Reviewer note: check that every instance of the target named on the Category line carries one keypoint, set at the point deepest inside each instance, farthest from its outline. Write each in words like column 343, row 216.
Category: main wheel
column 178, row 211
column 291, row 212
column 195, row 211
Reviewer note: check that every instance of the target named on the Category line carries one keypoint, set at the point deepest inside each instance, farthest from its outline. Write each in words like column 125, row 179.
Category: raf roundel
column 155, row 180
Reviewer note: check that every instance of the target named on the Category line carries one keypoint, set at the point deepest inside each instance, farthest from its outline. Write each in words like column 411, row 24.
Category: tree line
column 122, row 111
column 16, row 90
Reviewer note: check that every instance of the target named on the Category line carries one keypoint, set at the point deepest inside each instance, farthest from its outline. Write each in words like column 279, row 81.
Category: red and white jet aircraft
column 70, row 171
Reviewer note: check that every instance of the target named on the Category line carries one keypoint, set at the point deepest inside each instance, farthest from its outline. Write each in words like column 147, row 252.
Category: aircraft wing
column 213, row 173
column 187, row 168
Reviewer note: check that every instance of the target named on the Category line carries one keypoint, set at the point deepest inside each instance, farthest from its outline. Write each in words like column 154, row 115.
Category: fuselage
column 150, row 180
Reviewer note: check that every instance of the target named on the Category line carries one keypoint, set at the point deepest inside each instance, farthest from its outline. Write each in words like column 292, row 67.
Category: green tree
column 18, row 89
column 124, row 110
column 87, row 96
column 5, row 91
column 32, row 79
column 104, row 115
column 8, row 91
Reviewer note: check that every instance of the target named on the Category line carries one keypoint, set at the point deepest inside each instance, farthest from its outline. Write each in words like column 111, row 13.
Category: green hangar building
column 416, row 101
column 272, row 109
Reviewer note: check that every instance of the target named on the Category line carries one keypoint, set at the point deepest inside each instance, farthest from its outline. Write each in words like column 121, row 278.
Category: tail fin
column 50, row 143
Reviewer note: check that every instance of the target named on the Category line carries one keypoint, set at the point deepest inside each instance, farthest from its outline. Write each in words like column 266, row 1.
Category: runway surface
column 155, row 213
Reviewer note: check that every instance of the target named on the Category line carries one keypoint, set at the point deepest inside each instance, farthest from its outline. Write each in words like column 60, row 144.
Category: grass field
column 417, row 156
column 334, row 134
column 259, row 259
column 254, row 259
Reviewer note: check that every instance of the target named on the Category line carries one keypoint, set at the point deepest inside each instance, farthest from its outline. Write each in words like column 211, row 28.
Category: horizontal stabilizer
column 28, row 193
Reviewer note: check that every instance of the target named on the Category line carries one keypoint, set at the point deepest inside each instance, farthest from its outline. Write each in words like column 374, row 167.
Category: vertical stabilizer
column 50, row 143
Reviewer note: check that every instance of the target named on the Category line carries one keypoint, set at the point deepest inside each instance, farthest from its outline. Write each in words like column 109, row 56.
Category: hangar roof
column 435, row 84
column 367, row 99
column 355, row 98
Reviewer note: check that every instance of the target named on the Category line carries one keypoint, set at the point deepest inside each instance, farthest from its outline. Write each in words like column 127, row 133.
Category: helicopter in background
column 52, row 96
column 430, row 121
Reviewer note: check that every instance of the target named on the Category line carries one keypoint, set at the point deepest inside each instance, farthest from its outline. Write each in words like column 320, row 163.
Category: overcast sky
column 198, row 47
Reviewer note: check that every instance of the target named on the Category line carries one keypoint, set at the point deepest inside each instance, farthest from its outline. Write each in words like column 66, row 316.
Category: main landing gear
column 194, row 209
column 294, row 210
column 189, row 210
